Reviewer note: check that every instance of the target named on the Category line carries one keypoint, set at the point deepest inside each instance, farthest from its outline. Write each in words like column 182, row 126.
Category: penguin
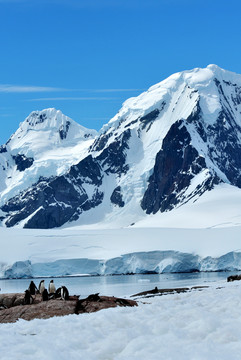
column 32, row 288
column 45, row 295
column 52, row 290
column 28, row 299
column 62, row 292
column 41, row 287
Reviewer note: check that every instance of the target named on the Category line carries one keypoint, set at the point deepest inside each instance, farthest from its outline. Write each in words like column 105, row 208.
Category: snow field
column 196, row 325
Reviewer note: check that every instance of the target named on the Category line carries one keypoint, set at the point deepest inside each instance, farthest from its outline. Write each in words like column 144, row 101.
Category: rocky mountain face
column 164, row 148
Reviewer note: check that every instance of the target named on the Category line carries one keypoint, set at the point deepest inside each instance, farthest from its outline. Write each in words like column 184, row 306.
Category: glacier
column 154, row 262
column 70, row 252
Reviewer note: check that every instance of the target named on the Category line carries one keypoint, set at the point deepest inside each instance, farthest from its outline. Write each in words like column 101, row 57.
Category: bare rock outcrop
column 12, row 306
column 233, row 278
column 95, row 302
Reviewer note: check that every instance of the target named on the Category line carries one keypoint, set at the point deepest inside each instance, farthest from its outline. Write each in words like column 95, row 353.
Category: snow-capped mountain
column 46, row 130
column 164, row 148
column 46, row 144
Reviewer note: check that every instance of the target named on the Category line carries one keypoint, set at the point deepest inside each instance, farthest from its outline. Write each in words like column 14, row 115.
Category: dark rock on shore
column 12, row 306
column 95, row 303
column 157, row 292
column 233, row 278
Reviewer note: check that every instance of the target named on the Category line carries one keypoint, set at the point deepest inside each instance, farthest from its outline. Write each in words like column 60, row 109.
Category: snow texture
column 195, row 325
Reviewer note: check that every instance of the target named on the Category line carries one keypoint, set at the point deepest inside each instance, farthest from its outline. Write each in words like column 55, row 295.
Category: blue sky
column 85, row 57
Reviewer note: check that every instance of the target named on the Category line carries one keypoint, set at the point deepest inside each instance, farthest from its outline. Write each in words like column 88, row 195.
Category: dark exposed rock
column 23, row 162
column 225, row 140
column 233, row 278
column 113, row 157
column 156, row 291
column 101, row 141
column 36, row 118
column 131, row 123
column 63, row 131
column 10, row 300
column 150, row 117
column 37, row 310
column 59, row 199
column 176, row 164
column 12, row 306
column 88, row 170
column 3, row 149
column 95, row 303
column 178, row 161
column 116, row 197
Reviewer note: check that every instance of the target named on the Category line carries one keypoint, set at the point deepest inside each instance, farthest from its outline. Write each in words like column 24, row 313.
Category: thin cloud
column 6, row 115
column 6, row 88
column 75, row 99
column 109, row 90
column 89, row 3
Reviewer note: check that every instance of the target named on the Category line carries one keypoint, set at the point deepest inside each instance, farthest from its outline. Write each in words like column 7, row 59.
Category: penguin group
column 30, row 294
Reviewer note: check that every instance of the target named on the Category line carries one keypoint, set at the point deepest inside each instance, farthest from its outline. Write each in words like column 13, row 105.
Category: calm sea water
column 119, row 285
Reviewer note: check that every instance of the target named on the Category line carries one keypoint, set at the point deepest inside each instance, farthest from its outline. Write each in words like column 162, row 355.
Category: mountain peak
column 196, row 83
column 46, row 118
column 165, row 148
column 214, row 67
column 46, row 129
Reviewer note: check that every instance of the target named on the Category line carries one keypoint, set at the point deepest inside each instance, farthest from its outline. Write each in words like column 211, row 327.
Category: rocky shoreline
column 12, row 306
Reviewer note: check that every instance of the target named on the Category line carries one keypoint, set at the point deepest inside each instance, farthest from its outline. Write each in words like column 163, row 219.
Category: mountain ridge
column 164, row 148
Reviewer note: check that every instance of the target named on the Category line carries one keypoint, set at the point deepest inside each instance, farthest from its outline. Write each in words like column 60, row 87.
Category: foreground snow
column 196, row 325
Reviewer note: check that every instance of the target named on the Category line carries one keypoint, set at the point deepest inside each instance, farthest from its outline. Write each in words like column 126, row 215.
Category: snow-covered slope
column 164, row 149
column 46, row 144
column 218, row 208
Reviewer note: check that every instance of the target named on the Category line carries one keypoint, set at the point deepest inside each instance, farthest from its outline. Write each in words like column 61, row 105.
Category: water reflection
column 118, row 285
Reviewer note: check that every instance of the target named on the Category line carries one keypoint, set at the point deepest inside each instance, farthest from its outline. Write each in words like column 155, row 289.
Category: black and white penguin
column 32, row 288
column 52, row 288
column 28, row 299
column 41, row 287
column 62, row 292
column 45, row 295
